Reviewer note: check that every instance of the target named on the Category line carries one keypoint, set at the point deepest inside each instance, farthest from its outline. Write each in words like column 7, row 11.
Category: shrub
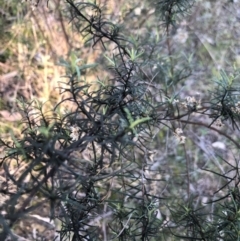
column 132, row 156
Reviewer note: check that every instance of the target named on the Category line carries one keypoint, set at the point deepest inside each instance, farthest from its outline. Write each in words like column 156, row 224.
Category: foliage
column 100, row 160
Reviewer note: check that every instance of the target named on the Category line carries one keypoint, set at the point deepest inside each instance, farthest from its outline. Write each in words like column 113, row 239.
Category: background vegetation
column 119, row 120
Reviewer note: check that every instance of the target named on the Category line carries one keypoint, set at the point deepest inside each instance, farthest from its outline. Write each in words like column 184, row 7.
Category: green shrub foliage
column 111, row 161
